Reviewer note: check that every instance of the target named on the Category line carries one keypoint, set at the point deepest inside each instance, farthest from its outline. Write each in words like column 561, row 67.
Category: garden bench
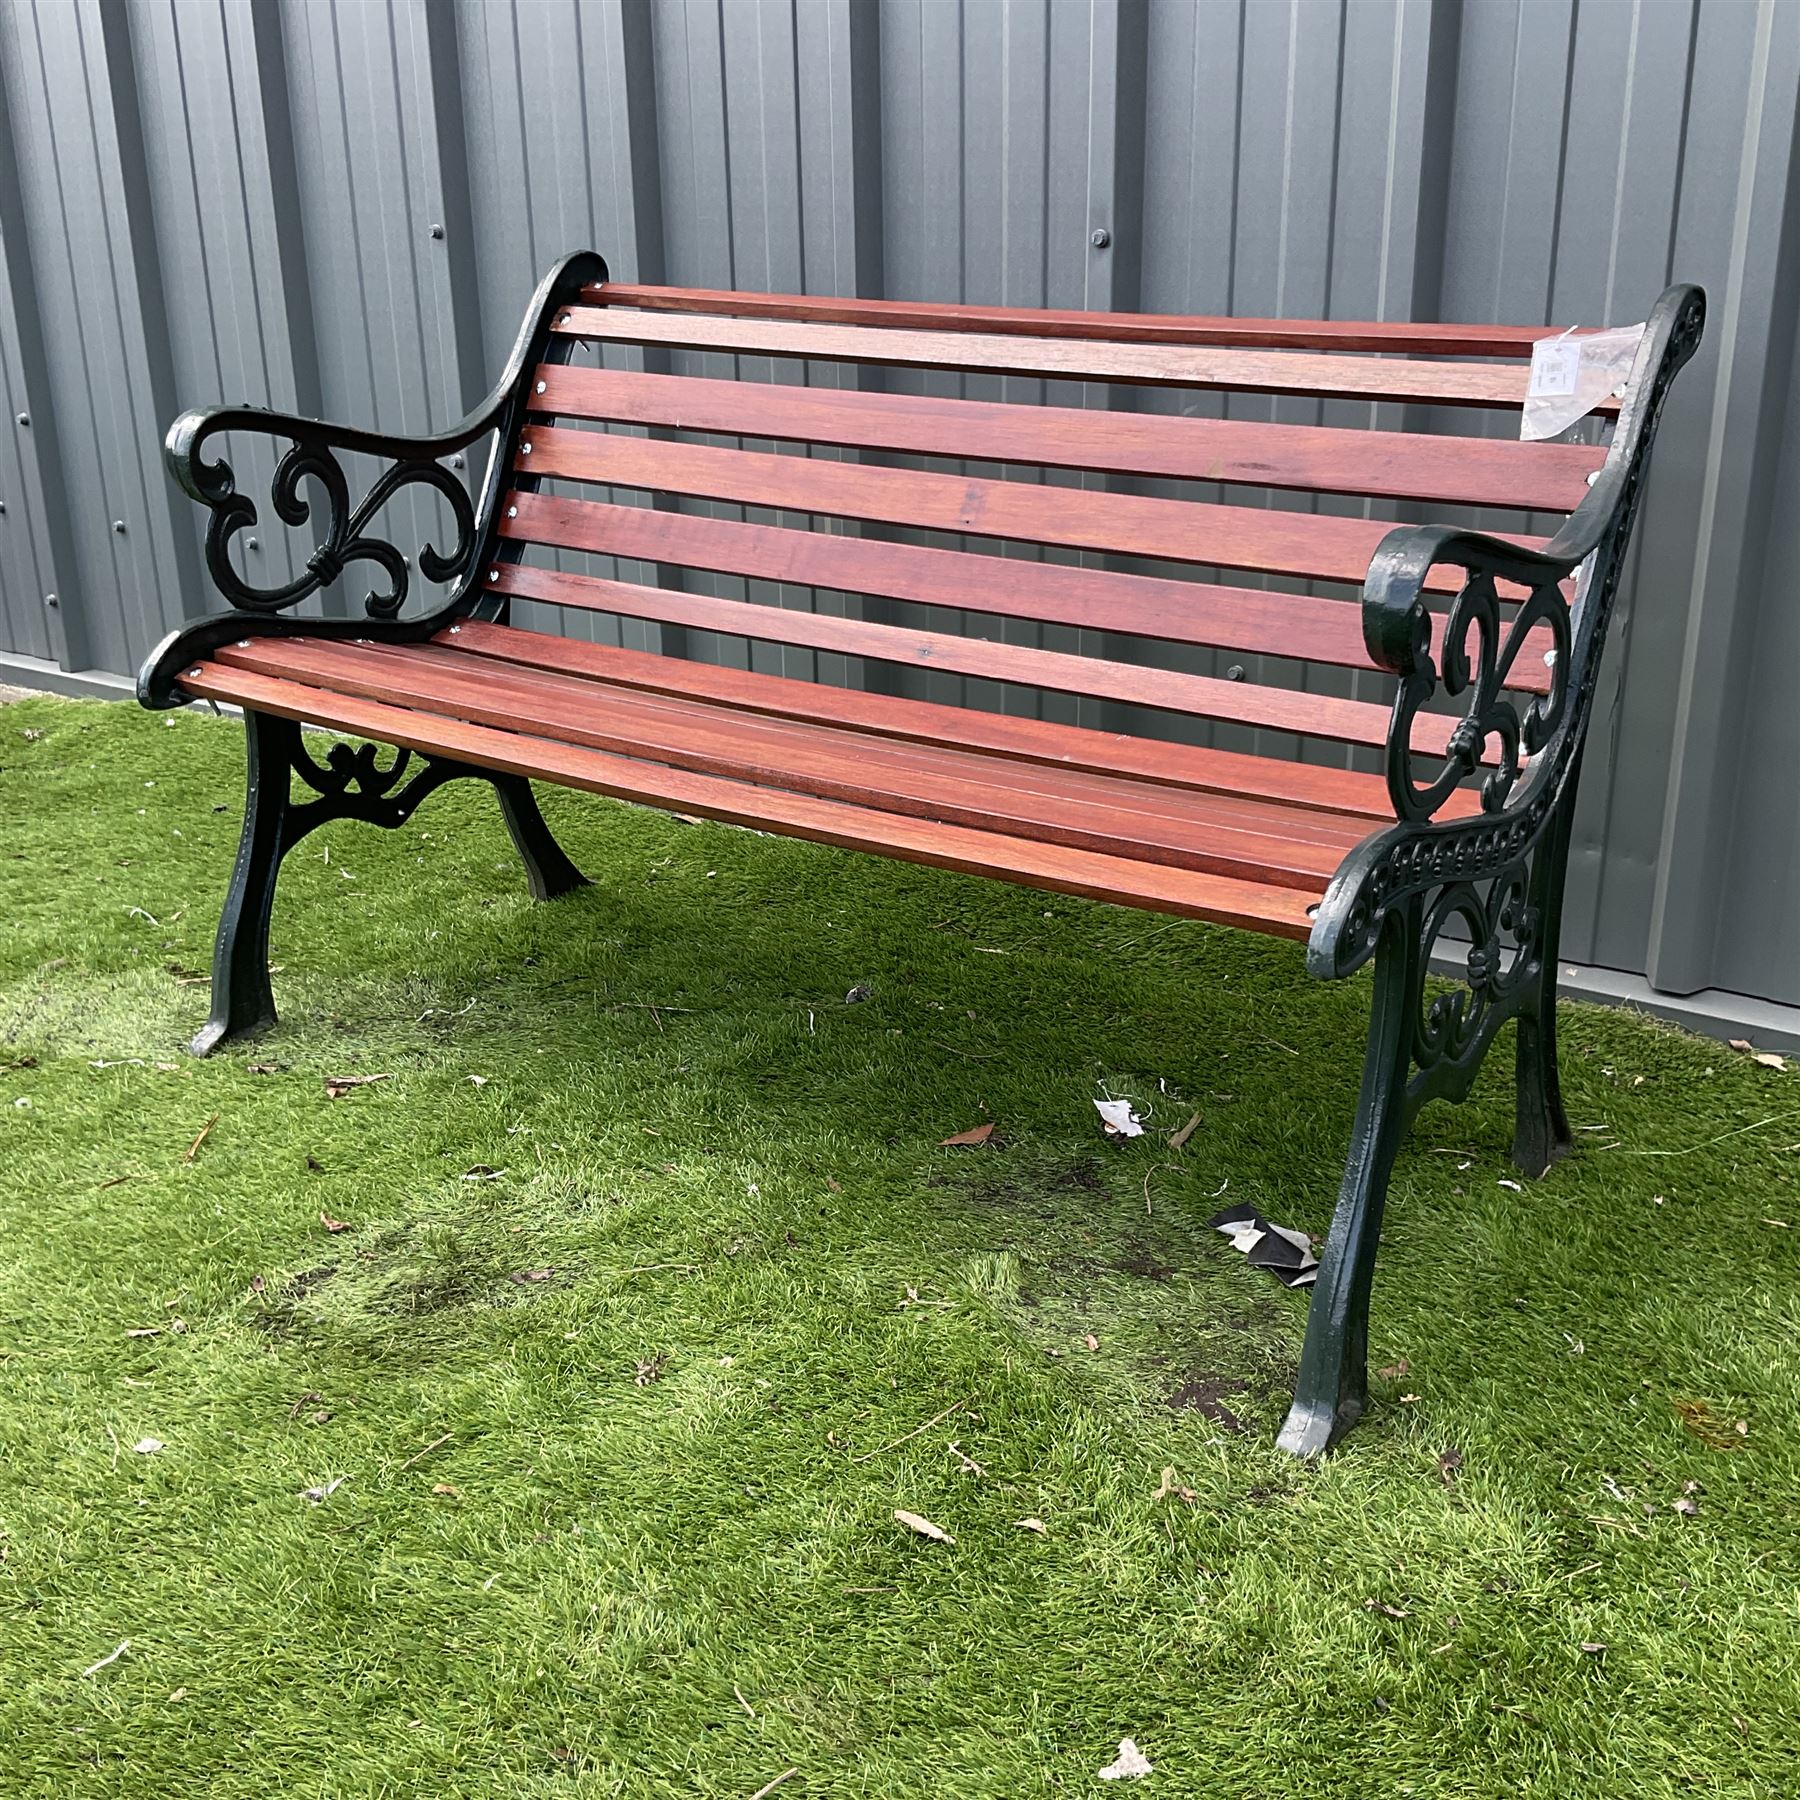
column 1382, row 831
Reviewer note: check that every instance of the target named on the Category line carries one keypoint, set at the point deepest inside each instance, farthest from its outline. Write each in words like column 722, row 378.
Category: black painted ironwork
column 345, row 539
column 1498, row 875
column 351, row 781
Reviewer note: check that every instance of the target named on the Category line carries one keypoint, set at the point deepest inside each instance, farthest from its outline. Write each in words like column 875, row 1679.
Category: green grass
column 652, row 1550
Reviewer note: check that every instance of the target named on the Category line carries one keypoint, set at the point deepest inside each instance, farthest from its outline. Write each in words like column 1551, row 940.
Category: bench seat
column 1165, row 826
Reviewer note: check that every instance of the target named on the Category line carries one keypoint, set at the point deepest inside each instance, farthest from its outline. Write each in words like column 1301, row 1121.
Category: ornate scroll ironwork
column 346, row 538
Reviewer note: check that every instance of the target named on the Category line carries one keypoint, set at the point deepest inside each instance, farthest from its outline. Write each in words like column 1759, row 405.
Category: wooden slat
column 1258, row 906
column 929, row 722
column 1068, row 359
column 1114, row 816
column 1420, row 338
column 1255, row 621
column 1314, row 546
column 1135, row 684
column 1395, row 464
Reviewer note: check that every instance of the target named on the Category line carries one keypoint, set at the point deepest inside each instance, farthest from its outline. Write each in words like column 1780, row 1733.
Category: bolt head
column 456, row 462
column 524, row 449
column 1100, row 237
column 24, row 418
column 119, row 526
column 1235, row 672
column 540, row 387
column 437, row 231
column 51, row 600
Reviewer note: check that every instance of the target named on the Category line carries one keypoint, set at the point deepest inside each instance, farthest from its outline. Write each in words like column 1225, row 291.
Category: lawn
column 637, row 1293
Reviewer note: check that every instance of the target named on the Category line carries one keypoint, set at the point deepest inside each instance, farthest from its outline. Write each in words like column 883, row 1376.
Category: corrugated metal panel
column 238, row 201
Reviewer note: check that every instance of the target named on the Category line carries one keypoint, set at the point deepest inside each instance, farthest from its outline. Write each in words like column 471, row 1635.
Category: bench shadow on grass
column 703, row 1038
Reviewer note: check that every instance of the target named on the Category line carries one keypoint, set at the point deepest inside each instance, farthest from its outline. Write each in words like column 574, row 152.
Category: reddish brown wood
column 1199, row 696
column 1256, row 621
column 1315, row 546
column 1070, row 359
column 1422, row 338
column 1157, row 886
column 1395, row 464
column 924, row 721
column 1114, row 816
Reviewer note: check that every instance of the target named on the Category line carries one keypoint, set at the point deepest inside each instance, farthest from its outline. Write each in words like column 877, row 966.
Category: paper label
column 1555, row 366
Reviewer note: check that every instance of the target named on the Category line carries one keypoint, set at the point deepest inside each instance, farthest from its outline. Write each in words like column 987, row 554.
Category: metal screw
column 24, row 418
column 454, row 629
column 524, row 449
column 1100, row 237
column 437, row 231
column 456, row 461
column 1235, row 672
column 512, row 512
column 252, row 543
column 493, row 574
column 540, row 387
column 51, row 600
column 2, row 506
column 119, row 526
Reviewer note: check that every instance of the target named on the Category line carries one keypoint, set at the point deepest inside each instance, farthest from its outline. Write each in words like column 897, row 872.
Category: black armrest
column 1532, row 746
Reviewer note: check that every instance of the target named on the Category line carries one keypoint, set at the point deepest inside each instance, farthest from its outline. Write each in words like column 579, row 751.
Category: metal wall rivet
column 493, row 574
column 1100, row 237
column 540, row 387
column 51, row 600
column 512, row 512
column 2, row 506
column 524, row 449
column 456, row 461
column 24, row 418
column 437, row 231
column 1235, row 672
column 119, row 526
column 252, row 543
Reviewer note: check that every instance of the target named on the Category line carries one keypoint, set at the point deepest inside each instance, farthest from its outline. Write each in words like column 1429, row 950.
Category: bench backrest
column 1269, row 476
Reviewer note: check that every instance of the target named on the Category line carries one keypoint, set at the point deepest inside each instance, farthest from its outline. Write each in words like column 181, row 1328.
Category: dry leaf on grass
column 1033, row 1525
column 652, row 1370
column 1130, row 1764
column 448, row 1489
column 323, row 1492
column 1715, row 1433
column 1386, row 1611
column 1169, row 1485
column 1766, row 1059
column 338, row 1086
column 1450, row 1466
column 976, row 1134
column 148, row 1446
column 334, row 1225
column 923, row 1527
column 1394, row 1370
column 525, row 1277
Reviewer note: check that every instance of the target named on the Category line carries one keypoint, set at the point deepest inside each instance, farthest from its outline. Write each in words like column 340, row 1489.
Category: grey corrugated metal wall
column 204, row 200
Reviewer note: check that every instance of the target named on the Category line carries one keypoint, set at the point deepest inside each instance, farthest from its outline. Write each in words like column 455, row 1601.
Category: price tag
column 1555, row 366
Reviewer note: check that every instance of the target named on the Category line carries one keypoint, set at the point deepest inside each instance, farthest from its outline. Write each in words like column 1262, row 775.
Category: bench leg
column 547, row 869
column 1333, row 1387
column 242, row 1000
column 1541, row 1133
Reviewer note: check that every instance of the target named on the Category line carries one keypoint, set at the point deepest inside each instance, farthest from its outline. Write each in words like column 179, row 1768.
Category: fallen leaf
column 1516, row 1187
column 526, row 1276
column 1409, row 1399
column 145, row 1331
column 1178, row 1138
column 1593, row 1649
column 858, row 994
column 1034, row 1525
column 1687, row 1506
column 476, row 1080
column 835, row 1187
column 483, row 1172
column 334, row 1225
column 1742, row 1044
column 1092, row 1342
column 265, row 1068
column 1715, row 1433
column 148, row 1446
column 1170, row 1486
column 323, row 1492
column 976, row 1134
column 652, row 1370
column 1130, row 1763
column 338, row 1086
column 1396, row 1369
column 1387, row 1611
column 1450, row 1466
column 448, row 1489
column 1119, row 1118
column 923, row 1527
